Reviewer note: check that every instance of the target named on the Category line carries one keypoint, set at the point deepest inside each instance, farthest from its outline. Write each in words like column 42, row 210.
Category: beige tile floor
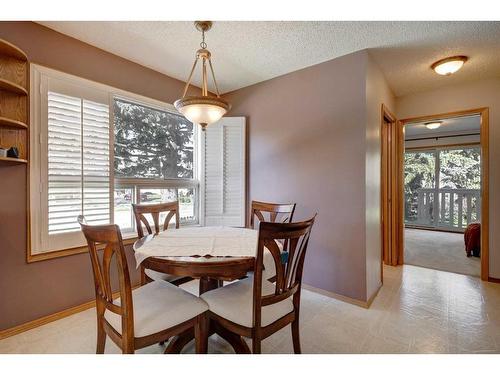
column 418, row 310
column 443, row 251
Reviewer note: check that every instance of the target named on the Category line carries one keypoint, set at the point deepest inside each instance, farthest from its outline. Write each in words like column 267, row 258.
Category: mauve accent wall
column 307, row 139
column 30, row 291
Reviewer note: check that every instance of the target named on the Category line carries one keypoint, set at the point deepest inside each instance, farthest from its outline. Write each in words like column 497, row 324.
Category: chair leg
column 128, row 346
column 296, row 336
column 101, row 337
column 256, row 345
column 201, row 334
column 143, row 276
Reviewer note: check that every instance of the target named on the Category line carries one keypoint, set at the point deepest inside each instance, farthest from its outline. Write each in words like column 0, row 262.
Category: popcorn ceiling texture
column 245, row 53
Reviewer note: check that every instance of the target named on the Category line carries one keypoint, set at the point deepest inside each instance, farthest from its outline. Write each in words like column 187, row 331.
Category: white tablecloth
column 189, row 241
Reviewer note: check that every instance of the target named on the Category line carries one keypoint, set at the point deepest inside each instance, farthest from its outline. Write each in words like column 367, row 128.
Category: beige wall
column 30, row 291
column 377, row 93
column 472, row 95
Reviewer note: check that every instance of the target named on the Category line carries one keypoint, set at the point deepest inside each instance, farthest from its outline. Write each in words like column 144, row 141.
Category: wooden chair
column 271, row 212
column 256, row 308
column 277, row 212
column 151, row 313
column 140, row 212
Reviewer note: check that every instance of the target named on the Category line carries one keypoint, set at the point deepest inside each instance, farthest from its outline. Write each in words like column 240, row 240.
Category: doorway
column 439, row 164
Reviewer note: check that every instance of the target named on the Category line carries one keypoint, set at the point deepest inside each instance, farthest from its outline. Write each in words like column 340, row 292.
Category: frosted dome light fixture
column 203, row 109
column 450, row 65
column 433, row 125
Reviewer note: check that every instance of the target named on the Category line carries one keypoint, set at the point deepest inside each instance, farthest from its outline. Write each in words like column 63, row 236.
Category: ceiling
column 245, row 53
column 450, row 126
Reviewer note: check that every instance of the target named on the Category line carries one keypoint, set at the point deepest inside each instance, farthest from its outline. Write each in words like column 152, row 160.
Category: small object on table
column 3, row 152
column 472, row 239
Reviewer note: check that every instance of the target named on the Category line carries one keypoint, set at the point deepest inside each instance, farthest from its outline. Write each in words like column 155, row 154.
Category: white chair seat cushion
column 158, row 306
column 234, row 302
column 160, row 276
column 269, row 270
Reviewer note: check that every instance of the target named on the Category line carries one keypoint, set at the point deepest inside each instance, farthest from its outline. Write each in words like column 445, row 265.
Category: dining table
column 210, row 254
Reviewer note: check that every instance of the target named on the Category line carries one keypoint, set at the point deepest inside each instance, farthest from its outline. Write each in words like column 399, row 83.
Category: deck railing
column 453, row 210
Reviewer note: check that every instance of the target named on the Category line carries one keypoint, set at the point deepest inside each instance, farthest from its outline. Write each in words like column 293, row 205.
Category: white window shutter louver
column 78, row 165
column 64, row 162
column 224, row 173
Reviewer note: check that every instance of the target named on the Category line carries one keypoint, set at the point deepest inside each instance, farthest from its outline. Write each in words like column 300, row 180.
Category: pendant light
column 204, row 109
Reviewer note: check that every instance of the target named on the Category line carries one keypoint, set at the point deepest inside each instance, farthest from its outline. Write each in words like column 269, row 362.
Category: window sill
column 32, row 258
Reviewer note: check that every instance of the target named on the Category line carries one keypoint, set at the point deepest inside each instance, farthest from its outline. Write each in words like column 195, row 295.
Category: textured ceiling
column 245, row 53
column 456, row 125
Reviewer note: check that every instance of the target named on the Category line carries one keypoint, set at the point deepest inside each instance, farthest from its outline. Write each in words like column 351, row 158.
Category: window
column 95, row 150
column 442, row 187
column 150, row 143
column 154, row 160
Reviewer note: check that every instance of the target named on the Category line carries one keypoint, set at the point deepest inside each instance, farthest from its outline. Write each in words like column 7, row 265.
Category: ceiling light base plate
column 203, row 25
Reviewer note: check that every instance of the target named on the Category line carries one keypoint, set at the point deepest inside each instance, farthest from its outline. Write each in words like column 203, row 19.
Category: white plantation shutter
column 64, row 162
column 96, row 168
column 224, row 172
column 77, row 163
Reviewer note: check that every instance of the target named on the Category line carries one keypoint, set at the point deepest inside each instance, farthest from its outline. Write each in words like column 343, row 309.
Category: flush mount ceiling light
column 433, row 125
column 450, row 65
column 204, row 109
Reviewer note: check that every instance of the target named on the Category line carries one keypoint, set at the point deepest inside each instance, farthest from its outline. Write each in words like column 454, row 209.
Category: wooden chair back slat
column 289, row 273
column 110, row 237
column 140, row 210
column 275, row 212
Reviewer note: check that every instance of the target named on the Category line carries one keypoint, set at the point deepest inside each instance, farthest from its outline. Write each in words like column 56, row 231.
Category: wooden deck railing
column 453, row 210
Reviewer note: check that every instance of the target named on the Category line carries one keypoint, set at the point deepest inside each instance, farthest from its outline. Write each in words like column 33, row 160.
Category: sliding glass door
column 442, row 187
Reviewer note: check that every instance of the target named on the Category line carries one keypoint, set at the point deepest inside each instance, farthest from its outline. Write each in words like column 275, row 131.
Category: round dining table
column 209, row 261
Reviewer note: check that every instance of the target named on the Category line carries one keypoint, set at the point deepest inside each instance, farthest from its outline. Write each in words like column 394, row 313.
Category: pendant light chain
column 203, row 44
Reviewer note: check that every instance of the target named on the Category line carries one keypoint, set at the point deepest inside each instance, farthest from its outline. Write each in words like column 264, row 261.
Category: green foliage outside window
column 150, row 143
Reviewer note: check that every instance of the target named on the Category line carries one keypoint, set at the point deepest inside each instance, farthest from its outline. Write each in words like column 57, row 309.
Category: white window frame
column 39, row 76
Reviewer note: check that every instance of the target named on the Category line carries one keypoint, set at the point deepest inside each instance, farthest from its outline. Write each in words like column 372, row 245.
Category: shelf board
column 11, row 161
column 12, row 87
column 11, row 50
column 7, row 122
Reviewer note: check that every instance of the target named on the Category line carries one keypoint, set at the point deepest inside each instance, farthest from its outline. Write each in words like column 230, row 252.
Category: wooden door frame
column 485, row 172
column 397, row 167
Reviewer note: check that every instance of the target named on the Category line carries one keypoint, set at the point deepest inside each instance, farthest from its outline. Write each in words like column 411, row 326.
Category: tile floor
column 439, row 250
column 417, row 310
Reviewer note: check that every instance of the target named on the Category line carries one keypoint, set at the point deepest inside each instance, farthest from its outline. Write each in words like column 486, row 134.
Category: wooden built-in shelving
column 4, row 121
column 12, row 87
column 8, row 49
column 14, row 102
column 12, row 161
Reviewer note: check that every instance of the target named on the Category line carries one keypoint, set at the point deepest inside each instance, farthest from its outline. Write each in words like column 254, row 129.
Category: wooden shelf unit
column 4, row 121
column 12, row 87
column 14, row 102
column 8, row 49
column 12, row 161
